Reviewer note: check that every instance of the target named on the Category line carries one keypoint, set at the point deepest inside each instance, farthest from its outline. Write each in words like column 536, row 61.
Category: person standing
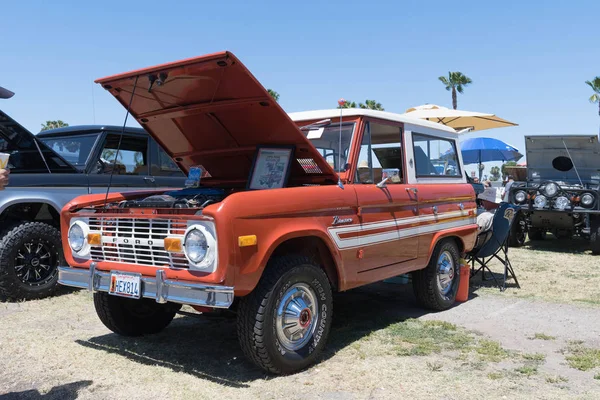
column 4, row 178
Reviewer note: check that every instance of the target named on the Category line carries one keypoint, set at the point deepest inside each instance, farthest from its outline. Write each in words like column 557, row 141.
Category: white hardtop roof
column 350, row 112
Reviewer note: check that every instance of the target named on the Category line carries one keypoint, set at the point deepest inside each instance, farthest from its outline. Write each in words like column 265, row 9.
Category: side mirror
column 382, row 184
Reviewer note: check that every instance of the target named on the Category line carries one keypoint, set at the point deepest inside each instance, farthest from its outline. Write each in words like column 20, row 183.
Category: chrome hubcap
column 445, row 272
column 296, row 318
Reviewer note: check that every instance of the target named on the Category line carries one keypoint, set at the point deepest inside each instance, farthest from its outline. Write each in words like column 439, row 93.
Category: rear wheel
column 536, row 234
column 595, row 234
column 133, row 317
column 436, row 286
column 30, row 253
column 284, row 323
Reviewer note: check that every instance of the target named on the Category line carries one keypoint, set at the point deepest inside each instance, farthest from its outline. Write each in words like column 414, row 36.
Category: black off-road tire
column 425, row 283
column 256, row 321
column 18, row 280
column 595, row 234
column 133, row 317
column 536, row 234
column 518, row 231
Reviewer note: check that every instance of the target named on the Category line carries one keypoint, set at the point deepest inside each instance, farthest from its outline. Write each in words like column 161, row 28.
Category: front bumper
column 161, row 289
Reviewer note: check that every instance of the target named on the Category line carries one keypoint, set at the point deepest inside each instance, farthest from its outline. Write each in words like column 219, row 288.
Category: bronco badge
column 338, row 221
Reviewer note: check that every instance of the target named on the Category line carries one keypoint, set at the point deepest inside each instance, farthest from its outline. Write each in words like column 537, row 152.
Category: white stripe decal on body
column 384, row 237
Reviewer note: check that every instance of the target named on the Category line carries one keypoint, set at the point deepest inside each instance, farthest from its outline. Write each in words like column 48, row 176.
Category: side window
column 381, row 148
column 131, row 160
column 164, row 166
column 435, row 156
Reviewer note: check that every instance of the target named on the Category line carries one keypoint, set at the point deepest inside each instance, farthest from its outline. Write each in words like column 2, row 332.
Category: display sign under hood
column 211, row 111
column 562, row 158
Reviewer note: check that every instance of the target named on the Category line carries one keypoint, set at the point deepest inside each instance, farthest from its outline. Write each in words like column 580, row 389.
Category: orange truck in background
column 280, row 212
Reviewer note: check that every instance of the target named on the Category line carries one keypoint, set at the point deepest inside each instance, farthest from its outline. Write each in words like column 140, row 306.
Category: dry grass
column 562, row 271
column 378, row 348
column 58, row 348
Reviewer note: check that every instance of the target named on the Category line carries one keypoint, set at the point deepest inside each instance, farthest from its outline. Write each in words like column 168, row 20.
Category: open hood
column 561, row 157
column 211, row 111
column 24, row 149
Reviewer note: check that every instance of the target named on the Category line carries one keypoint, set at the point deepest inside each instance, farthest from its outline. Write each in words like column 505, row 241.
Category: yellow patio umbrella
column 460, row 120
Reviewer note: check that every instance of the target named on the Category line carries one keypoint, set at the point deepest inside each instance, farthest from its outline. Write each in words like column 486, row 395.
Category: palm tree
column 595, row 85
column 348, row 104
column 456, row 82
column 273, row 94
column 371, row 105
column 53, row 125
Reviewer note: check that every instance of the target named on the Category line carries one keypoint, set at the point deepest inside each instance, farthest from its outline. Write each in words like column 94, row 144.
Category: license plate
column 125, row 285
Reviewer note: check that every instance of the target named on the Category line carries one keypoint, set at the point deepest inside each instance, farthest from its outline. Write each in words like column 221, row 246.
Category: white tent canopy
column 458, row 119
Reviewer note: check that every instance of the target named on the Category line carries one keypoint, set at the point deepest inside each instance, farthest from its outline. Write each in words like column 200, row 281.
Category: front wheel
column 284, row 323
column 595, row 234
column 133, row 317
column 29, row 257
column 518, row 231
column 436, row 286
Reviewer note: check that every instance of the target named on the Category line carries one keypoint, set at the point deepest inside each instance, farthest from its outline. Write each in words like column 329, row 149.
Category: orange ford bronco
column 279, row 212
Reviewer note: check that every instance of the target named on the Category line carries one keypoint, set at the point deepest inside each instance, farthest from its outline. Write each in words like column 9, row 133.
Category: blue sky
column 528, row 60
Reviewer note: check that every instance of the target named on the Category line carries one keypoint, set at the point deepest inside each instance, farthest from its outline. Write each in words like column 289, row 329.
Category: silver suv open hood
column 560, row 158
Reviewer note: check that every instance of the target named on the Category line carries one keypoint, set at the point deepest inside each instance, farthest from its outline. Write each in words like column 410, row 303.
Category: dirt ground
column 540, row 341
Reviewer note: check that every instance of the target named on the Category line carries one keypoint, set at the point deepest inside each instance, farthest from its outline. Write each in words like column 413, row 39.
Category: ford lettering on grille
column 137, row 241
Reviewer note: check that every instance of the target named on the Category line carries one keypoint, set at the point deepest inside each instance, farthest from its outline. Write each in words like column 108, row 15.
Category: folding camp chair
column 493, row 244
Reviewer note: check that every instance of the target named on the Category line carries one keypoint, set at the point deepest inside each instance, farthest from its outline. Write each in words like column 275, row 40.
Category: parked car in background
column 50, row 169
column 286, row 217
column 561, row 194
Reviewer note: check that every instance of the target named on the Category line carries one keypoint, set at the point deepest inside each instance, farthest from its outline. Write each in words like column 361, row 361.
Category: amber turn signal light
column 173, row 245
column 94, row 239
column 248, row 240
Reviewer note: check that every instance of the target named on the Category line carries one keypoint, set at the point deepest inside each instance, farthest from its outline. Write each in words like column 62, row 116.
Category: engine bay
column 184, row 198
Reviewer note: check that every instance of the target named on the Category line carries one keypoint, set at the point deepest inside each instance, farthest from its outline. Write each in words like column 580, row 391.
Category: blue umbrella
column 483, row 149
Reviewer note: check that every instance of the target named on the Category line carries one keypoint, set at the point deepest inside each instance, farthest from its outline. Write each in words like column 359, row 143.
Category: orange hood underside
column 211, row 111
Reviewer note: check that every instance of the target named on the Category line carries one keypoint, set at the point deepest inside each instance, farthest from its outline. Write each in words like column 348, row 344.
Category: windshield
column 74, row 149
column 327, row 141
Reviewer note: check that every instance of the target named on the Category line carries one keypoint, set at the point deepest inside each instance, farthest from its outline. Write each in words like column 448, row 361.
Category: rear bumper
column 161, row 289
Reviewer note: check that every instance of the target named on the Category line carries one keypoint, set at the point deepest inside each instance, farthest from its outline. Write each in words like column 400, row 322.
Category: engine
column 185, row 198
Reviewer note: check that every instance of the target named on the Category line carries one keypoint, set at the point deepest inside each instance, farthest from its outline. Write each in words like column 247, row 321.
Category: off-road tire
column 536, row 234
column 256, row 320
column 425, row 284
column 518, row 231
column 12, row 286
column 595, row 234
column 133, row 317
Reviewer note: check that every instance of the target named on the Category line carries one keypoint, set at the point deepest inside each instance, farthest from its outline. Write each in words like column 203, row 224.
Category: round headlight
column 587, row 200
column 520, row 196
column 551, row 189
column 76, row 237
column 540, row 201
column 196, row 245
column 561, row 203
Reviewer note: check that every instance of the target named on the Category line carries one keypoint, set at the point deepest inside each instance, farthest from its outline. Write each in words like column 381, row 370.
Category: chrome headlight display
column 540, row 201
column 77, row 237
column 587, row 200
column 520, row 196
column 551, row 189
column 562, row 203
column 200, row 247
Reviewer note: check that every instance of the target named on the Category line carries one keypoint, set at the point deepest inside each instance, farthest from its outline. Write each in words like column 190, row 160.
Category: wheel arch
column 464, row 238
column 302, row 242
column 31, row 210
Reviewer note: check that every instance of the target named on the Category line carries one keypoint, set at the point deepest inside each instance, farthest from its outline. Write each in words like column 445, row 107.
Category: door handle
column 149, row 179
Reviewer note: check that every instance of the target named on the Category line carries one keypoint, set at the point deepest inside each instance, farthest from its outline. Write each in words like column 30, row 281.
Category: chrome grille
column 137, row 241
